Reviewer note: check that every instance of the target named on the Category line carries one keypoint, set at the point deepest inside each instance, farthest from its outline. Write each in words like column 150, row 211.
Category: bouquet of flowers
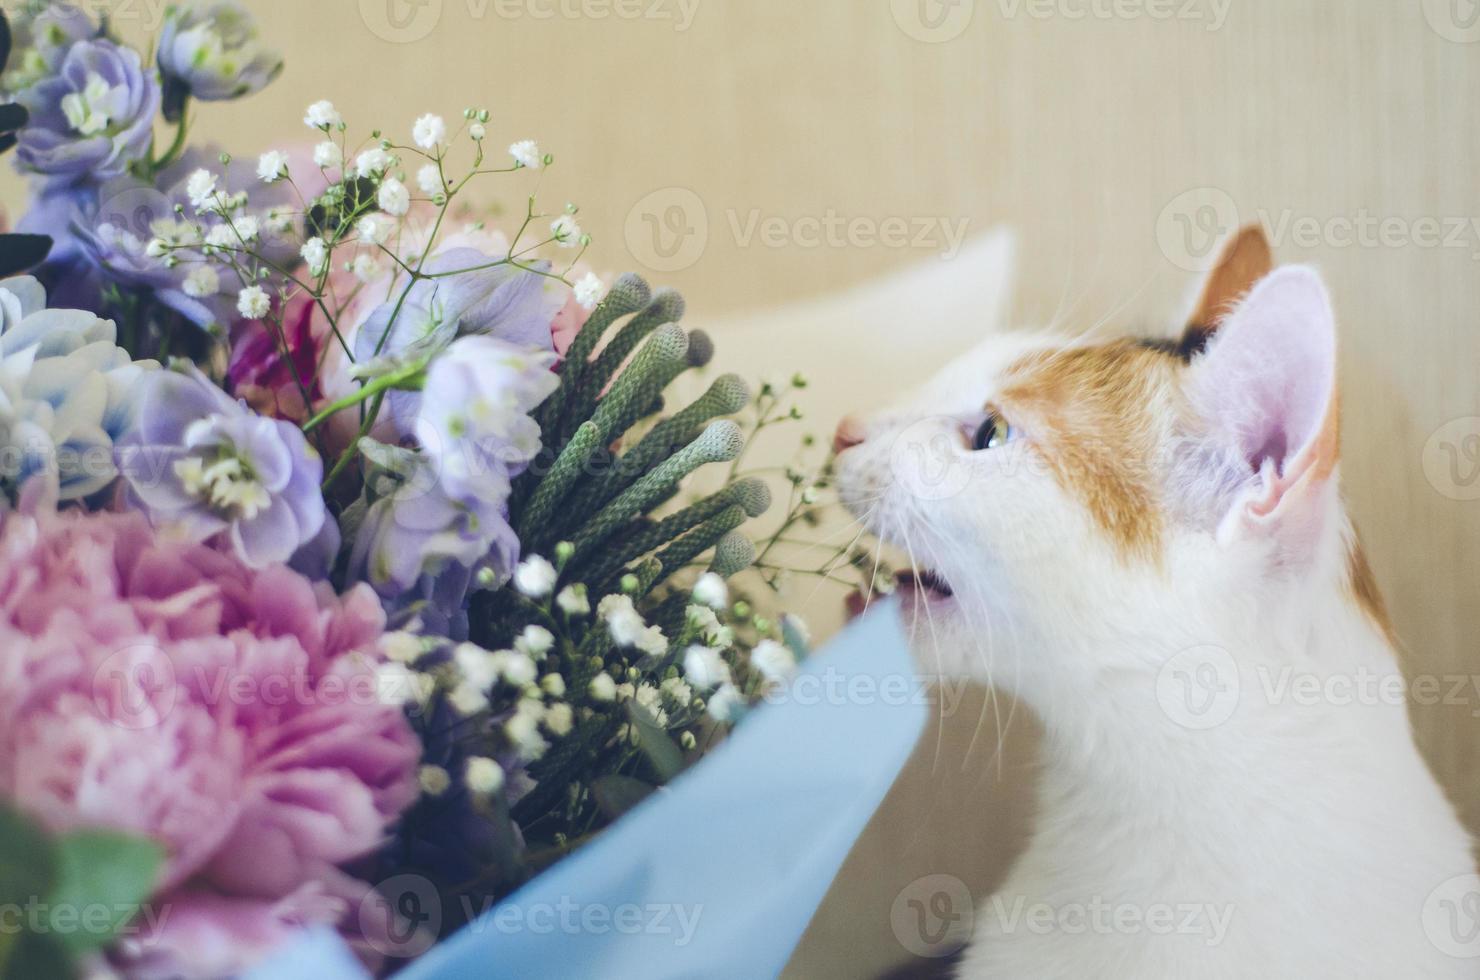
column 341, row 535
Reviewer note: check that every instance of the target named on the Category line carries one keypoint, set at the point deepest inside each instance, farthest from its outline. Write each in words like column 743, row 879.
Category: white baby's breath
column 774, row 662
column 573, row 600
column 588, row 290
column 401, row 647
column 526, row 153
column 374, row 228
column 321, row 115
column 201, row 281
column 560, row 719
column 201, row 187
column 603, row 688
column 535, row 577
column 372, row 162
column 515, row 668
column 433, row 779
column 253, row 303
column 429, row 179
column 328, row 154
column 477, row 131
column 677, row 689
column 553, row 685
column 565, row 231
column 535, row 641
column 710, row 590
column 272, row 166
column 726, row 703
column 315, row 255
column 483, row 775
column 468, row 700
column 393, row 197
column 428, row 131
column 704, row 668
column 477, row 666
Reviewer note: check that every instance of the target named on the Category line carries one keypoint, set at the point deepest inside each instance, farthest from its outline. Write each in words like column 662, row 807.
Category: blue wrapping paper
column 719, row 874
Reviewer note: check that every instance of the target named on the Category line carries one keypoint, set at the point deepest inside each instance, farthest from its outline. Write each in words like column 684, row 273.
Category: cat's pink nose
column 851, row 432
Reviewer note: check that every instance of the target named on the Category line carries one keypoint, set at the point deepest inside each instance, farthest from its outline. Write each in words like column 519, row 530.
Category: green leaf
column 617, row 794
column 661, row 751
column 104, row 877
column 35, row 955
column 28, row 872
column 28, row 861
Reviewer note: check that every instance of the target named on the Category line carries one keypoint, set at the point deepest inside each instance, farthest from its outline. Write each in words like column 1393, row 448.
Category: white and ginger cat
column 1146, row 543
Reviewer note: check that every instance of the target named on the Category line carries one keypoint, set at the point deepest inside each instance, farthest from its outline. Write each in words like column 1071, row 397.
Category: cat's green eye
column 993, row 432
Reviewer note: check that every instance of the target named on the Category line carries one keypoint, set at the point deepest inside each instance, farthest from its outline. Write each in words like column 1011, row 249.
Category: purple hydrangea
column 207, row 465
column 211, row 51
column 92, row 117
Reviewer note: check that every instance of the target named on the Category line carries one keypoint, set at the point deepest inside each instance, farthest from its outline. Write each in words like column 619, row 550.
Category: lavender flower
column 67, row 392
column 450, row 507
column 502, row 301
column 474, row 418
column 421, row 531
column 208, row 465
column 496, row 300
column 92, row 117
column 211, row 51
column 42, row 39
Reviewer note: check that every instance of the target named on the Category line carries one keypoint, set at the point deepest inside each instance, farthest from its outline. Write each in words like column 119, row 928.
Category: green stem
column 172, row 153
column 393, row 379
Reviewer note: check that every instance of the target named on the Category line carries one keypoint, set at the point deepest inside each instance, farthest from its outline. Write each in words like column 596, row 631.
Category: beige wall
column 1085, row 134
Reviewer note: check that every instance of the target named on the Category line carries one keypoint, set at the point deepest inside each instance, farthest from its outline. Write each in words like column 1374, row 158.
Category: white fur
column 1299, row 838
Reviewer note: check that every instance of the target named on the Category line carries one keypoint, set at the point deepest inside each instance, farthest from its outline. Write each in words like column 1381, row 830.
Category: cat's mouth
column 925, row 580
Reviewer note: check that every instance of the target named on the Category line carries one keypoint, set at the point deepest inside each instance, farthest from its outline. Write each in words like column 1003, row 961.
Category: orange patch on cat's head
column 1097, row 413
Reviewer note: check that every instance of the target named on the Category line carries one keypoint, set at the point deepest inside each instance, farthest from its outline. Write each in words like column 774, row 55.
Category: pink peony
column 165, row 689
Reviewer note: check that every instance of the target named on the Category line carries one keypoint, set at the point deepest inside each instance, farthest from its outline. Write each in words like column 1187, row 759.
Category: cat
column 1145, row 542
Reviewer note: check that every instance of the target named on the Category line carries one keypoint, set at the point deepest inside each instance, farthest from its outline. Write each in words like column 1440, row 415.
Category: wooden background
column 1083, row 123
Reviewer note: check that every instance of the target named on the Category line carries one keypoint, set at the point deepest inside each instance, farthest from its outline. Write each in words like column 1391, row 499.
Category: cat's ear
column 1245, row 259
column 1266, row 390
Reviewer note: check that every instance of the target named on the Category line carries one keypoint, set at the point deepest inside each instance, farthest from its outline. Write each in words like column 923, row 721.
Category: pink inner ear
column 1268, row 377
